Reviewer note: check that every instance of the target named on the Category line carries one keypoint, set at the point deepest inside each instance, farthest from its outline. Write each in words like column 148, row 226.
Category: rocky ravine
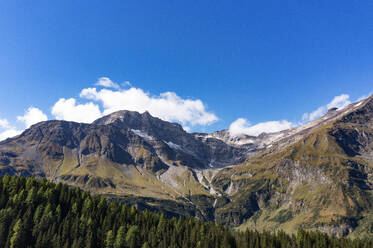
column 317, row 176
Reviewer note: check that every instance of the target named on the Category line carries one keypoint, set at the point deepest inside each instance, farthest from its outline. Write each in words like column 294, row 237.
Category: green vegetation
column 311, row 184
column 38, row 213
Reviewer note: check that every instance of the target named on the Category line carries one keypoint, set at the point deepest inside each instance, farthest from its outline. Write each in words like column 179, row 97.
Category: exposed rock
column 316, row 176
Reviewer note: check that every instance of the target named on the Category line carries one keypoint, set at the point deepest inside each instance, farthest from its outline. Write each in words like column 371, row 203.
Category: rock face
column 317, row 176
column 193, row 151
column 118, row 137
column 124, row 153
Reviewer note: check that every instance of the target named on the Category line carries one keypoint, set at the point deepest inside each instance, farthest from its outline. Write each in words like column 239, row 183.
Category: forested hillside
column 38, row 213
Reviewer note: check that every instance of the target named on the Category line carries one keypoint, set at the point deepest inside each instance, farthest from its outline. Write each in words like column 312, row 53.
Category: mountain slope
column 122, row 154
column 322, row 181
column 317, row 176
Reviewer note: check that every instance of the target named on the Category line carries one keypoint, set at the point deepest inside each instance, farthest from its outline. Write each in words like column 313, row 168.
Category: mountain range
column 318, row 176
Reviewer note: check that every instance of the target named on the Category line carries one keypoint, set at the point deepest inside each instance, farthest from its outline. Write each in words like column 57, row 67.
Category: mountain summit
column 316, row 176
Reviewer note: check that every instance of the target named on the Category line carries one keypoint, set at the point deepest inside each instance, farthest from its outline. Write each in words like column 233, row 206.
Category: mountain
column 122, row 154
column 318, row 176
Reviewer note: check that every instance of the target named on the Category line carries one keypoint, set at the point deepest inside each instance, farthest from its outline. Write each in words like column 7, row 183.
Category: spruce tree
column 109, row 241
column 145, row 245
column 18, row 238
column 120, row 239
column 132, row 236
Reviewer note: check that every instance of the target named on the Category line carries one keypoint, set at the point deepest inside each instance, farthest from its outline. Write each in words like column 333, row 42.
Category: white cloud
column 68, row 110
column 4, row 123
column 7, row 130
column 186, row 129
column 167, row 106
column 339, row 102
column 242, row 126
column 106, row 82
column 9, row 133
column 32, row 115
column 314, row 114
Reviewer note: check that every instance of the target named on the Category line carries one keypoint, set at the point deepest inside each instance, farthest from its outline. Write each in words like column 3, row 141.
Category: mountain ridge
column 261, row 182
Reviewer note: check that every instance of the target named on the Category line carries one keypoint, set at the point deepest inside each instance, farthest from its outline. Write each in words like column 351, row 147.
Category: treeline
column 38, row 213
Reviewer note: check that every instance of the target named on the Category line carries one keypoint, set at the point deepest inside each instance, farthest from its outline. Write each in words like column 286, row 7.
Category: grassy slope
column 322, row 199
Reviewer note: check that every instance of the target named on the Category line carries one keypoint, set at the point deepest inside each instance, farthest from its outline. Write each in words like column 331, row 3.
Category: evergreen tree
column 145, row 245
column 18, row 237
column 109, row 241
column 38, row 213
column 120, row 240
column 132, row 237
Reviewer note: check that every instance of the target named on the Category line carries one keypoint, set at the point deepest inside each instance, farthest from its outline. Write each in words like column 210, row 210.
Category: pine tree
column 89, row 242
column 17, row 239
column 5, row 220
column 120, row 240
column 145, row 245
column 132, row 236
column 109, row 241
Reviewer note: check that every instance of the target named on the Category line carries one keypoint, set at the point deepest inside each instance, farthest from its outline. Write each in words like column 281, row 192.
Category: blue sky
column 256, row 60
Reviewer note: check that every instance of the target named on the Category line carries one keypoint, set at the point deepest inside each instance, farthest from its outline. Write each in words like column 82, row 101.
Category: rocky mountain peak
column 139, row 121
column 228, row 178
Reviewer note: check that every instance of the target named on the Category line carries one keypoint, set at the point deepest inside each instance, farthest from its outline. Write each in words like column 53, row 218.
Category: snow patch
column 273, row 138
column 141, row 134
column 358, row 104
column 173, row 145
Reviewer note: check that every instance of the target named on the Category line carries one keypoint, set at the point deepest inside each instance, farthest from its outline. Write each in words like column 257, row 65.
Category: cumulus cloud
column 106, row 82
column 9, row 133
column 339, row 102
column 67, row 109
column 314, row 114
column 167, row 106
column 4, row 123
column 186, row 128
column 242, row 126
column 6, row 130
column 32, row 115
